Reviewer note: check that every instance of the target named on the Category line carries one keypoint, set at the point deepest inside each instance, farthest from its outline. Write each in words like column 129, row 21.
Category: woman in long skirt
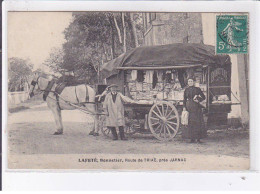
column 192, row 96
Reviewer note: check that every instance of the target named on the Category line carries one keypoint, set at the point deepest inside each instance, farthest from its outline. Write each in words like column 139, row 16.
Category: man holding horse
column 114, row 110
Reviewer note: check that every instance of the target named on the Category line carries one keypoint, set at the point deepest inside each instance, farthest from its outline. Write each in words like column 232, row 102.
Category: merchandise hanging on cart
column 156, row 76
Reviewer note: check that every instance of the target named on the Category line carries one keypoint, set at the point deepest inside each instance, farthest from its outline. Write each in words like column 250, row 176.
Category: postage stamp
column 232, row 34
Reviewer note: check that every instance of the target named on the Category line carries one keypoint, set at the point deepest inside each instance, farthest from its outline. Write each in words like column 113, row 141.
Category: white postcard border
column 65, row 180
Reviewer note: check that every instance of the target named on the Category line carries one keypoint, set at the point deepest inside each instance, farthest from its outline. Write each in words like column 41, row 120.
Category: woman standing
column 192, row 96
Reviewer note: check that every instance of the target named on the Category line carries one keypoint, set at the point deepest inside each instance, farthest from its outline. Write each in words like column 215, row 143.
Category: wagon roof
column 165, row 56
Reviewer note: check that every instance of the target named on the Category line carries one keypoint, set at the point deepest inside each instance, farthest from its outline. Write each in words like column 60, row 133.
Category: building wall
column 167, row 28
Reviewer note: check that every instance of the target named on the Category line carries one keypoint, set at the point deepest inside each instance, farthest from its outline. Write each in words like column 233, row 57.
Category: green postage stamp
column 232, row 34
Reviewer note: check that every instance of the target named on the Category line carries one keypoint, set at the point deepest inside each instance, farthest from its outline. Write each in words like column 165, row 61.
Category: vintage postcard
column 113, row 90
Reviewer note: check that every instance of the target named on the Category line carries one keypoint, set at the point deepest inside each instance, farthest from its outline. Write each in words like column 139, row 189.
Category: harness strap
column 76, row 94
column 47, row 90
column 57, row 100
column 87, row 94
column 58, row 89
column 33, row 83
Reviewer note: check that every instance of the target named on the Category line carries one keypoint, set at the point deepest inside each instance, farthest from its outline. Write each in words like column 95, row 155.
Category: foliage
column 19, row 72
column 88, row 44
column 55, row 60
column 92, row 39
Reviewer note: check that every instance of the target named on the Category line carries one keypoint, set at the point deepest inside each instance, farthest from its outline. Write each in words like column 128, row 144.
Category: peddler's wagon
column 156, row 77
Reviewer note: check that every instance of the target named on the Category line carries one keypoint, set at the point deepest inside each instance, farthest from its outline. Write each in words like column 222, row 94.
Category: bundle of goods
column 144, row 96
column 221, row 99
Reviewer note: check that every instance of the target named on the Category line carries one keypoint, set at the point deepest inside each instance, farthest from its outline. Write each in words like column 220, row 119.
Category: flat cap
column 112, row 85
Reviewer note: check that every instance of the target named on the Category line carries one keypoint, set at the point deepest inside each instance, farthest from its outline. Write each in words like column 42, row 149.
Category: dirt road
column 30, row 133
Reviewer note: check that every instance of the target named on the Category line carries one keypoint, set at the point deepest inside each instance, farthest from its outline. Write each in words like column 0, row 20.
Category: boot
column 114, row 133
column 122, row 133
column 91, row 132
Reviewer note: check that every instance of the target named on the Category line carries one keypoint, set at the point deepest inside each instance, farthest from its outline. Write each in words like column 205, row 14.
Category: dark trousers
column 114, row 133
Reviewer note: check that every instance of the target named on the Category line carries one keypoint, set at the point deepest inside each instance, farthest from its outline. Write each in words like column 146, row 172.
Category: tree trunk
column 105, row 52
column 133, row 29
column 124, row 32
column 118, row 30
column 112, row 38
column 98, row 71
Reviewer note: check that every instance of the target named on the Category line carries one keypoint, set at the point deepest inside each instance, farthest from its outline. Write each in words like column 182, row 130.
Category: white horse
column 72, row 94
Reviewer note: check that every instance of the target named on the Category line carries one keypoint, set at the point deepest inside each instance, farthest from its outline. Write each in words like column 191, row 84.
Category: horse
column 68, row 98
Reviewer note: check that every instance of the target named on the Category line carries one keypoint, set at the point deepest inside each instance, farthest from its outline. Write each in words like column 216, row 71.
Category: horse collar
column 35, row 82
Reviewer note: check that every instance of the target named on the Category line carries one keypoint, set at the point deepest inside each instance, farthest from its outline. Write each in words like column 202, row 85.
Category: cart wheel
column 131, row 126
column 102, row 126
column 164, row 121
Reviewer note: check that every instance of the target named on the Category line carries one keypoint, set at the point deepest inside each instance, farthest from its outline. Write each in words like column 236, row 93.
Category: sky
column 32, row 35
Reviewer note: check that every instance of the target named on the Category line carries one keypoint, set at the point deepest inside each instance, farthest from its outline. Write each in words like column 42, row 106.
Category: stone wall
column 17, row 97
column 169, row 28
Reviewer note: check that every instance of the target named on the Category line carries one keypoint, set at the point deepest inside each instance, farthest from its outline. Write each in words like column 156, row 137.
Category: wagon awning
column 166, row 56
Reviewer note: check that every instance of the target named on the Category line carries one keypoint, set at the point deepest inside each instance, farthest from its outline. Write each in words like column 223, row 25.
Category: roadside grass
column 17, row 109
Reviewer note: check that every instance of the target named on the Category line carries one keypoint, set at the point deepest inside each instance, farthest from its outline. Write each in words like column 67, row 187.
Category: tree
column 92, row 39
column 19, row 72
column 55, row 60
column 89, row 43
column 124, row 32
column 136, row 19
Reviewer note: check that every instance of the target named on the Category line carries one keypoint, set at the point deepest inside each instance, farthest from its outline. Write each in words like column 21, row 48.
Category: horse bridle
column 33, row 83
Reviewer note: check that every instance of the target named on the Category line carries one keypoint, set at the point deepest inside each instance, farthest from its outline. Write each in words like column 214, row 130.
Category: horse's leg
column 60, row 126
column 57, row 116
column 95, row 128
column 89, row 95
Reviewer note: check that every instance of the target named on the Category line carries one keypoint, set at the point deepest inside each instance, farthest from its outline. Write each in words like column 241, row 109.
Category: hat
column 112, row 85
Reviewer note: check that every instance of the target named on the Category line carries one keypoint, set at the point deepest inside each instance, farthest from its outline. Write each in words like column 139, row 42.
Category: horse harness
column 60, row 87
column 58, row 90
column 77, row 106
column 33, row 83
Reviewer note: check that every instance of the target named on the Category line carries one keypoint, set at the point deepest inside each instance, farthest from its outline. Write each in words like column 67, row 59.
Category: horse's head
column 34, row 87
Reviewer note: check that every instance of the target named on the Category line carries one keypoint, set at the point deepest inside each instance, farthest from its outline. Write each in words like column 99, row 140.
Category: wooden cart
column 160, row 114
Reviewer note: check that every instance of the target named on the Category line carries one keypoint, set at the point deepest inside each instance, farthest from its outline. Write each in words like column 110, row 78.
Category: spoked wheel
column 164, row 121
column 102, row 126
column 131, row 126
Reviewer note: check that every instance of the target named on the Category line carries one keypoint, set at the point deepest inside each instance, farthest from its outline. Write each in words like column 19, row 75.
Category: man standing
column 114, row 110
